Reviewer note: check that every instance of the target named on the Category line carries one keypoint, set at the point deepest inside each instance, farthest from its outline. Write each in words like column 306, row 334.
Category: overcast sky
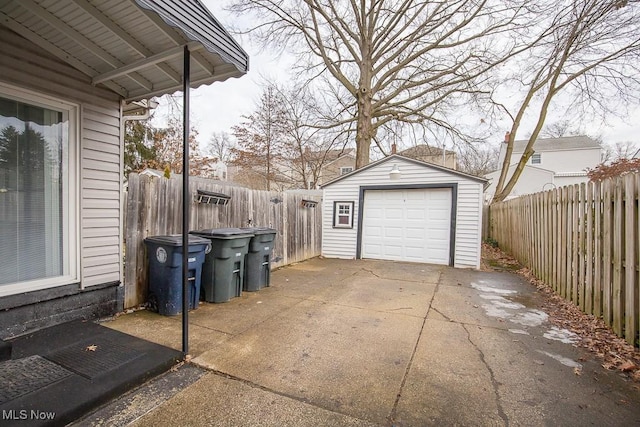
column 220, row 106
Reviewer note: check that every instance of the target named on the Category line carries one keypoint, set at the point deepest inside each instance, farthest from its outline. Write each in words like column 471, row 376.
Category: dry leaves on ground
column 613, row 351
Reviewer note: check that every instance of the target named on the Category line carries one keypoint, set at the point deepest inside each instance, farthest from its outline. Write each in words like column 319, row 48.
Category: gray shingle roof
column 556, row 144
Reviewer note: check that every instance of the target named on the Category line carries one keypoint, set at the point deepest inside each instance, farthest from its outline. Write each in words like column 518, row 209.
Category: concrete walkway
column 377, row 343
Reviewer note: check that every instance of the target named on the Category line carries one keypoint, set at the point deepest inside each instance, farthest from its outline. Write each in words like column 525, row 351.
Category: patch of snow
column 562, row 335
column 519, row 331
column 530, row 318
column 491, row 289
column 564, row 360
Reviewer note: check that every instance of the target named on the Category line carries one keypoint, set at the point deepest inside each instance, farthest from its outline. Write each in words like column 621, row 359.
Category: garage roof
column 398, row 156
column 133, row 47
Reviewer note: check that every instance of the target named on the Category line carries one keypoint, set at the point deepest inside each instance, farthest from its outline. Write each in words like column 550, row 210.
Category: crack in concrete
column 279, row 393
column 394, row 410
column 494, row 382
column 399, row 279
column 443, row 315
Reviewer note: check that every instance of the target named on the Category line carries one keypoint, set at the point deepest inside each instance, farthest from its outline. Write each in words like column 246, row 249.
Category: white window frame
column 341, row 210
column 71, row 191
column 537, row 156
column 343, row 170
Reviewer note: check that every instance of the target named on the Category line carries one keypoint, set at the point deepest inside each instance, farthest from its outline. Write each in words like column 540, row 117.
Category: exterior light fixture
column 395, row 172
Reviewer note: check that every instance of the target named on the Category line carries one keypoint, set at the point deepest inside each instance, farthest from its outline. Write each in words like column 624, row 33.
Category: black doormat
column 22, row 376
column 96, row 356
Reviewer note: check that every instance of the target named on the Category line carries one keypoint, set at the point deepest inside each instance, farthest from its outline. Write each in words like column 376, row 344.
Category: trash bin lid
column 223, row 233
column 259, row 230
column 176, row 240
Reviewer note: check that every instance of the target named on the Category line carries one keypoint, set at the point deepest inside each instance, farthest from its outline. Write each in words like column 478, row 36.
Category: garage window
column 343, row 214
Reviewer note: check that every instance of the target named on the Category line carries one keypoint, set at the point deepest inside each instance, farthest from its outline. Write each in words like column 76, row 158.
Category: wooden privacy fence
column 154, row 207
column 583, row 241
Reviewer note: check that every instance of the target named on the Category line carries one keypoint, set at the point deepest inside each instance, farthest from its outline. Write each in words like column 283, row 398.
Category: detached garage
column 404, row 210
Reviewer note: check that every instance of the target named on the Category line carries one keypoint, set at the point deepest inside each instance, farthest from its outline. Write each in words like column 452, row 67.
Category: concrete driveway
column 359, row 343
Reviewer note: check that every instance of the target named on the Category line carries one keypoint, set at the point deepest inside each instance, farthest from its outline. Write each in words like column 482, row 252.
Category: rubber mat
column 22, row 376
column 94, row 357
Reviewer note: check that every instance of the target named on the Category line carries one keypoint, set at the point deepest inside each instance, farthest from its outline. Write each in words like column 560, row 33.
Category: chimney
column 393, row 148
column 506, row 137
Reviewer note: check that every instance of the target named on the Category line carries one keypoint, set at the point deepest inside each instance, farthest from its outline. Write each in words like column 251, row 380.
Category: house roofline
column 525, row 166
column 339, row 158
column 418, row 162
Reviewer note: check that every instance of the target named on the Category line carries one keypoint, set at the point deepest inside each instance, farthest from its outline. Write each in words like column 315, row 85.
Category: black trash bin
column 257, row 265
column 165, row 272
column 223, row 269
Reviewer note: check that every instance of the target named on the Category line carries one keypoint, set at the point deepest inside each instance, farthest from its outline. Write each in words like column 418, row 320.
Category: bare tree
column 588, row 51
column 167, row 146
column 559, row 129
column 260, row 141
column 478, row 160
column 220, row 145
column 618, row 150
column 306, row 146
column 411, row 61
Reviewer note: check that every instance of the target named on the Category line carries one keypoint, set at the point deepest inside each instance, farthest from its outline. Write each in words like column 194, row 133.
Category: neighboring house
column 429, row 154
column 556, row 162
column 405, row 210
column 68, row 72
column 337, row 163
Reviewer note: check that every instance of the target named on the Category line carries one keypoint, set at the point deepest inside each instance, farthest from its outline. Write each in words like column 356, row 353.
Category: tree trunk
column 364, row 127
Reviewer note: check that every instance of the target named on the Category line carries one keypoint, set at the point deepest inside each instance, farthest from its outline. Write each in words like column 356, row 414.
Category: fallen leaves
column 91, row 347
column 595, row 336
column 628, row 366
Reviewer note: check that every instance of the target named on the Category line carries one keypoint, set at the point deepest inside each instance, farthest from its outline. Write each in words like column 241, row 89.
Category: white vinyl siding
column 26, row 66
column 342, row 243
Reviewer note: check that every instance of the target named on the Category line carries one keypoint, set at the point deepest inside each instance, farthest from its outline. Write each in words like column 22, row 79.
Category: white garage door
column 407, row 225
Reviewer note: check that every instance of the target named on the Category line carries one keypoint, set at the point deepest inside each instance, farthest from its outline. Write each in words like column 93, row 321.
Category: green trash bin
column 223, row 268
column 257, row 264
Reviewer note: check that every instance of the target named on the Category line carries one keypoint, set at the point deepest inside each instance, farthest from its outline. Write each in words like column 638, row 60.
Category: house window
column 343, row 214
column 38, row 244
column 345, row 170
column 536, row 159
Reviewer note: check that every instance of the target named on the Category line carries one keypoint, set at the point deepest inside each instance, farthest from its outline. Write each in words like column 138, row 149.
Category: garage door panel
column 375, row 213
column 413, row 213
column 390, row 232
column 409, row 225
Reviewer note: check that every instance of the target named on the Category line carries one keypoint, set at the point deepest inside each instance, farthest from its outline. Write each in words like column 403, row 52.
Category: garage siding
column 342, row 243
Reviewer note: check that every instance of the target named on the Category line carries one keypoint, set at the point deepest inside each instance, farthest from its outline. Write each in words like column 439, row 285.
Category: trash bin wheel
column 152, row 303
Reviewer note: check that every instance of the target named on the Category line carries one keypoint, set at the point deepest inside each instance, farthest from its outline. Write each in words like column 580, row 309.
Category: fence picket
column 617, row 294
column 631, row 287
column 581, row 247
column 589, row 276
column 575, row 249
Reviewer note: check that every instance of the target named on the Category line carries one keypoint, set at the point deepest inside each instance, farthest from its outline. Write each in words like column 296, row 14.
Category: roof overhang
column 132, row 47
